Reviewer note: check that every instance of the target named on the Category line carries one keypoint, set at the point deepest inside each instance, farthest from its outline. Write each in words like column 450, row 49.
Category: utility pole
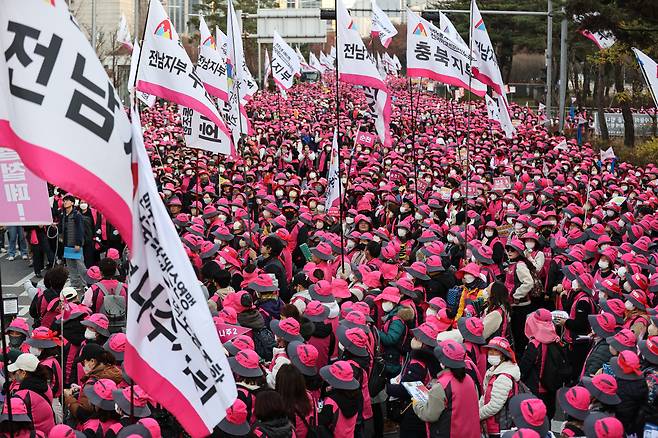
column 549, row 60
column 563, row 69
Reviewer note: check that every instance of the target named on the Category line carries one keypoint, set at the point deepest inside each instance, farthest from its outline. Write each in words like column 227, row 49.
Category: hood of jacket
column 102, row 371
column 276, row 428
column 251, row 319
column 33, row 383
column 349, row 406
column 506, row 367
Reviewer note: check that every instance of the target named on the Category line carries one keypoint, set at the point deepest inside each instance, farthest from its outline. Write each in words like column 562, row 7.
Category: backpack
column 264, row 343
column 504, row 416
column 557, row 367
column 114, row 307
column 377, row 378
column 537, row 290
column 453, row 297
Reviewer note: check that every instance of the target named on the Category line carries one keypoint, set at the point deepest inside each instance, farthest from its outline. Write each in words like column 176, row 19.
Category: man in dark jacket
column 72, row 235
column 270, row 263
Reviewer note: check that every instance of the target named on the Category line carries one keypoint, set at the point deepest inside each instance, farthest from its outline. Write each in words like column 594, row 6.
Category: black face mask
column 212, row 287
column 360, row 246
column 16, row 341
column 290, row 215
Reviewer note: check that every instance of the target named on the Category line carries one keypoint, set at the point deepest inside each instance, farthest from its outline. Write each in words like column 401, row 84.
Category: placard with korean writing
column 24, row 198
column 502, row 183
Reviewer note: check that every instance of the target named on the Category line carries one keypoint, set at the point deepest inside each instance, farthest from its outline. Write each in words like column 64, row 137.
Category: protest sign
column 227, row 332
column 365, row 139
column 502, row 183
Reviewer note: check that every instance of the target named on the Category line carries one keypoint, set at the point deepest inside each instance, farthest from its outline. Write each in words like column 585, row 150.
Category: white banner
column 381, row 25
column 492, row 108
column 334, row 184
column 357, row 67
column 302, row 61
column 449, row 29
column 432, row 54
column 650, row 70
column 326, row 61
column 268, row 68
column 285, row 64
column 211, row 65
column 166, row 71
column 241, row 84
column 173, row 349
column 485, row 65
column 59, row 111
column 201, row 133
column 147, row 99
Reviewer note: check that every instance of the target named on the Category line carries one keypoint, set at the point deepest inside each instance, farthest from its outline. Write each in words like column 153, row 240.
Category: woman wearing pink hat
column 342, row 403
column 31, row 383
column 542, row 337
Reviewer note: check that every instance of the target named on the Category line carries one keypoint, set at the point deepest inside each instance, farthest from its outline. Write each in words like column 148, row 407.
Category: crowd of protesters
column 464, row 285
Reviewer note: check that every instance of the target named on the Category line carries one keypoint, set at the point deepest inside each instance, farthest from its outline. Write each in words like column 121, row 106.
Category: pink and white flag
column 241, row 84
column 602, row 40
column 498, row 111
column 285, row 64
column 166, row 71
column 433, row 54
column 334, row 184
column 123, row 34
column 485, row 66
column 59, row 111
column 173, row 350
column 326, row 61
column 315, row 64
column 302, row 61
column 357, row 67
column 649, row 69
column 449, row 29
column 211, row 65
column 24, row 197
column 268, row 68
column 147, row 99
column 381, row 25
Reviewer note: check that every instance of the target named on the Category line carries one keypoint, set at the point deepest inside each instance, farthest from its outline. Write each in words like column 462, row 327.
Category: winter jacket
column 38, row 398
column 274, row 266
column 502, row 385
column 532, row 366
column 81, row 408
column 324, row 340
column 339, row 412
column 633, row 395
column 276, row 428
column 598, row 355
column 393, row 336
column 279, row 359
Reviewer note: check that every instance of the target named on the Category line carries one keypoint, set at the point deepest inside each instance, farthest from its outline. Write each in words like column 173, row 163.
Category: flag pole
column 139, row 59
column 339, row 143
column 468, row 124
column 413, row 137
column 5, row 357
column 237, row 89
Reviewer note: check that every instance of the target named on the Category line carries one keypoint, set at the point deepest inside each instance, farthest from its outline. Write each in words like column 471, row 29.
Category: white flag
column 147, row 99
column 432, row 54
column 166, row 71
column 504, row 116
column 334, row 184
column 314, row 63
column 202, row 133
column 650, row 70
column 302, row 61
column 285, row 64
column 449, row 29
column 485, row 66
column 211, row 65
column 268, row 68
column 396, row 61
column 59, row 111
column 608, row 154
column 602, row 39
column 381, row 25
column 241, row 84
column 326, row 61
column 173, row 349
column 541, row 108
column 123, row 34
column 492, row 108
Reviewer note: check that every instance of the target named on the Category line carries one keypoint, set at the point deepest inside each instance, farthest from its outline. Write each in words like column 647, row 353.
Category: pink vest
column 478, row 356
column 492, row 424
column 457, row 419
column 365, row 391
column 510, row 279
column 40, row 409
column 311, row 419
column 56, row 370
column 344, row 426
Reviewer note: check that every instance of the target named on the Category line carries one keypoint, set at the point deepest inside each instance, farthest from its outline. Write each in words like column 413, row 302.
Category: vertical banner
column 201, row 133
column 24, row 199
column 173, row 349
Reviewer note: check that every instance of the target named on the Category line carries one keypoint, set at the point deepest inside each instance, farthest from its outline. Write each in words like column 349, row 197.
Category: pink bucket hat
column 575, row 401
column 100, row 394
column 304, row 357
column 116, row 345
column 339, row 375
column 240, row 342
column 98, row 322
column 286, row 328
column 601, row 425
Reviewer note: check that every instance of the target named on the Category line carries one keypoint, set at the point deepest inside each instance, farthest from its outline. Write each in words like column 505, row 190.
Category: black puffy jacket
column 599, row 355
column 633, row 395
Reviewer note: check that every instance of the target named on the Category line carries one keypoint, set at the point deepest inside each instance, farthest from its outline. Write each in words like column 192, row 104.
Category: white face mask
column 530, row 245
column 602, row 296
column 349, row 220
column 529, row 198
column 416, row 344
column 575, row 285
column 418, row 216
column 627, row 287
column 403, row 209
column 90, row 334
column 84, row 206
column 595, row 221
column 518, row 226
column 319, row 225
column 242, row 244
column 604, row 264
column 488, row 233
column 222, row 217
column 35, row 351
column 621, row 272
column 350, row 245
column 321, row 208
column 279, row 193
column 629, row 305
column 493, row 359
column 87, row 368
column 387, row 306
column 402, row 232
column 468, row 278
column 430, row 312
